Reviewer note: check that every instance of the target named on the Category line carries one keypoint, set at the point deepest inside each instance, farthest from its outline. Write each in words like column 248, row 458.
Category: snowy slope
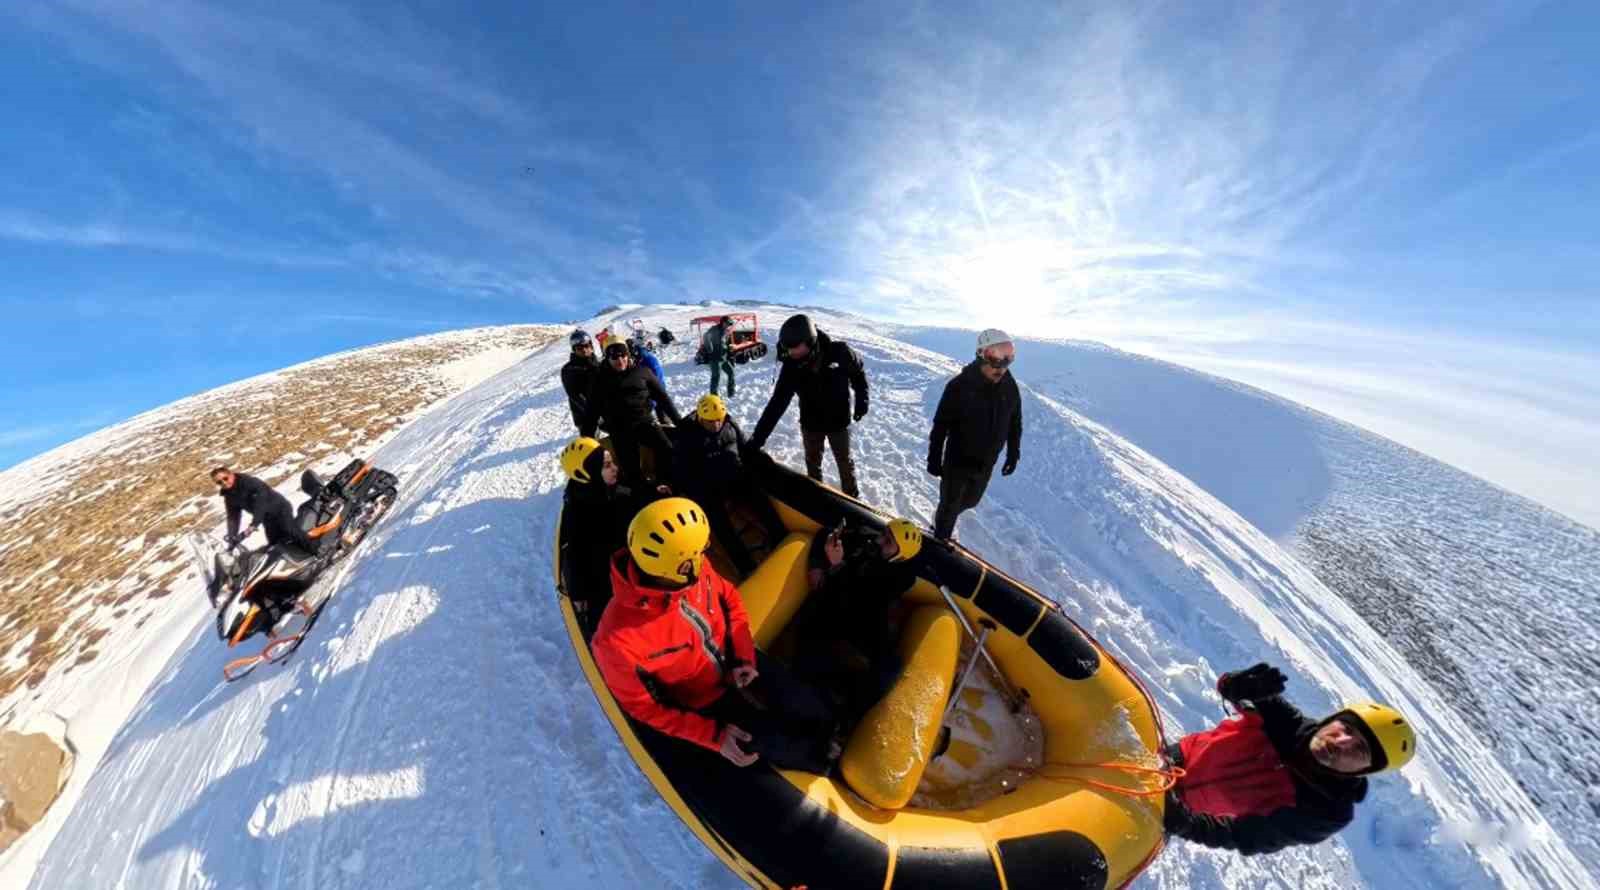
column 436, row 731
column 1494, row 599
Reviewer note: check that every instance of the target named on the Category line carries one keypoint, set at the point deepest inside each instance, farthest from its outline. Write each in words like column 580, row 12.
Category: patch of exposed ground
column 89, row 533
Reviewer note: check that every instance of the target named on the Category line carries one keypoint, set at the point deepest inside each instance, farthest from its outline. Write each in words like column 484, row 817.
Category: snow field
column 436, row 731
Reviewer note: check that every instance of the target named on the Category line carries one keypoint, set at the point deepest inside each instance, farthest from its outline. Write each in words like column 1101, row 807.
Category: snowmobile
column 267, row 590
column 744, row 342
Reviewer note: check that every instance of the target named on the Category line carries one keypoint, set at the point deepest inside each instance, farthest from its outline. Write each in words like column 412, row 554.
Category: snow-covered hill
column 436, row 730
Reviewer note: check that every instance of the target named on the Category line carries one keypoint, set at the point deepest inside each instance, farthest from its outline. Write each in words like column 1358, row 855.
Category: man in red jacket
column 675, row 649
column 1271, row 778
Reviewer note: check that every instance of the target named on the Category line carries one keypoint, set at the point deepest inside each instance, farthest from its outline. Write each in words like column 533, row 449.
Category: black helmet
column 579, row 337
column 725, row 321
column 798, row 329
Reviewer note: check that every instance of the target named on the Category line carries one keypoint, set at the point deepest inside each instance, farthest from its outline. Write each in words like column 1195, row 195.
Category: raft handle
column 1012, row 697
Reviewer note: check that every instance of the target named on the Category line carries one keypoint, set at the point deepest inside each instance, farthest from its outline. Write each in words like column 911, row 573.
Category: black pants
column 281, row 527
column 959, row 491
column 840, row 443
column 789, row 721
column 626, row 444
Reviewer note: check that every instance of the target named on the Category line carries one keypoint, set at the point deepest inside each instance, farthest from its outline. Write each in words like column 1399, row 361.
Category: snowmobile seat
column 311, row 484
column 775, row 591
column 892, row 745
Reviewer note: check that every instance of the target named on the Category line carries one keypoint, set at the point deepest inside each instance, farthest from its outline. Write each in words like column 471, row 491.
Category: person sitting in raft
column 846, row 642
column 597, row 502
column 1270, row 778
column 707, row 467
column 675, row 649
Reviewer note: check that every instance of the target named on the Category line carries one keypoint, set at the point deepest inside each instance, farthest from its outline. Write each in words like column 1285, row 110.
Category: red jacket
column 1251, row 785
column 1234, row 770
column 665, row 654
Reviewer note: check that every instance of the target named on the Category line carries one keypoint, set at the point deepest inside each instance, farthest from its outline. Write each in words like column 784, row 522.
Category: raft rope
column 1167, row 777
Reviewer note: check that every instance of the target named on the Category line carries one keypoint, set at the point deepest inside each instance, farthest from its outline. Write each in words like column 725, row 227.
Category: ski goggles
column 998, row 362
column 616, row 350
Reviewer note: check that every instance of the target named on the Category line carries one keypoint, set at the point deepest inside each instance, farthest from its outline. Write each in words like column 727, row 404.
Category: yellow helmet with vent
column 575, row 454
column 665, row 535
column 907, row 536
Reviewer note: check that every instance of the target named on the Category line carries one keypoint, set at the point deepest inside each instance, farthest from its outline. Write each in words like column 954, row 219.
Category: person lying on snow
column 708, row 468
column 1270, row 778
column 845, row 640
column 675, row 649
column 626, row 394
column 597, row 502
column 243, row 493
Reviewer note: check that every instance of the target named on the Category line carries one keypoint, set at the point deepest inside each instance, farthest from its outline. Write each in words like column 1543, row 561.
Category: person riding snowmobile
column 675, row 649
column 1271, row 778
column 708, row 467
column 578, row 374
column 823, row 372
column 623, row 393
column 243, row 493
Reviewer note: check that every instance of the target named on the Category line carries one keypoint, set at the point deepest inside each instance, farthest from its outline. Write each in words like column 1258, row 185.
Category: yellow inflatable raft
column 1088, row 816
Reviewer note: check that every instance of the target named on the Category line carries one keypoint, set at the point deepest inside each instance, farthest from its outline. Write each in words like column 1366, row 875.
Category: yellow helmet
column 575, row 455
column 908, row 536
column 1393, row 740
column 711, row 407
column 666, row 534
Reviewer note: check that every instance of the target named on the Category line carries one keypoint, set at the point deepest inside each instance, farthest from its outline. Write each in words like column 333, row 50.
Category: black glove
column 1251, row 684
column 756, row 444
column 1010, row 466
column 233, row 540
column 1175, row 815
column 861, row 411
column 935, row 468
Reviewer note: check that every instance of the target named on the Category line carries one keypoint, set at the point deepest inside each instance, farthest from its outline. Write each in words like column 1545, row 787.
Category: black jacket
column 974, row 420
column 854, row 600
column 823, row 380
column 623, row 399
column 577, row 375
column 255, row 497
column 706, row 461
column 1324, row 800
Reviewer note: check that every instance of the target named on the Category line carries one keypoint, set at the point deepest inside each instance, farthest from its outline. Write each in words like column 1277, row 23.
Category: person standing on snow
column 675, row 649
column 242, row 493
column 718, row 355
column 623, row 393
column 577, row 375
column 1270, row 778
column 823, row 372
column 979, row 413
column 639, row 350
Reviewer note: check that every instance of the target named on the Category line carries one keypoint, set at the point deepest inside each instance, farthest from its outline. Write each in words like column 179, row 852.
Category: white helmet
column 992, row 337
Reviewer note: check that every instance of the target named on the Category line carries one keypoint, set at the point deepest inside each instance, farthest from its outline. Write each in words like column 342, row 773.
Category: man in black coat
column 243, row 493
column 1270, row 777
column 823, row 372
column 578, row 374
column 707, row 468
column 979, row 413
column 623, row 392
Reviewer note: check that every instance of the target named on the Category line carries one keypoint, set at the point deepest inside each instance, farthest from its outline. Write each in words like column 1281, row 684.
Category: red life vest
column 663, row 653
column 1234, row 770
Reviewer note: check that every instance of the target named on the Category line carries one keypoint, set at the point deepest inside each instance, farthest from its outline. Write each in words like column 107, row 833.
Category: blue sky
column 1387, row 211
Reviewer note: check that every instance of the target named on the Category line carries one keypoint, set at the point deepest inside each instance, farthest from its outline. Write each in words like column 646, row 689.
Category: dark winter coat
column 853, row 603
column 257, row 498
column 703, row 461
column 602, row 513
column 624, row 400
column 716, row 342
column 974, row 420
column 823, row 380
column 577, row 376
column 1251, row 784
column 666, row 654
